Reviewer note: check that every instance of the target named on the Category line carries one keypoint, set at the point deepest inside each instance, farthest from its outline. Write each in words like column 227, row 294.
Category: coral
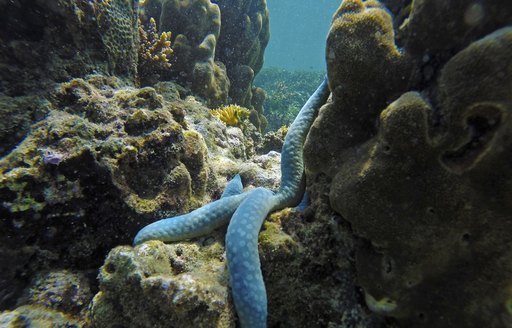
column 356, row 64
column 427, row 189
column 207, row 52
column 232, row 115
column 154, row 53
column 196, row 26
column 16, row 117
column 297, row 264
column 257, row 118
column 282, row 131
column 286, row 91
column 119, row 30
column 242, row 43
column 72, row 38
column 37, row 316
column 273, row 140
column 57, row 298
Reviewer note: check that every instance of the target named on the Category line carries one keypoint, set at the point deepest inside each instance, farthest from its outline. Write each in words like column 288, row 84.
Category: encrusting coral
column 154, row 53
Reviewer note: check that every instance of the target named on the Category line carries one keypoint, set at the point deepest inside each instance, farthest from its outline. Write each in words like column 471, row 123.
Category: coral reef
column 427, row 189
column 195, row 26
column 286, row 91
column 273, row 140
column 105, row 160
column 46, row 42
column 246, row 213
column 18, row 114
column 293, row 253
column 214, row 41
column 53, row 299
column 407, row 165
column 118, row 26
column 157, row 285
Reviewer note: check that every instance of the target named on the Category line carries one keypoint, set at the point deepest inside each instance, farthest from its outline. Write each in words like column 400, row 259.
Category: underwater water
column 298, row 30
column 256, row 163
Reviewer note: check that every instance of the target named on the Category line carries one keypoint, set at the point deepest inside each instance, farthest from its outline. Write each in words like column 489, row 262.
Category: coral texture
column 118, row 26
column 250, row 210
column 214, row 41
column 48, row 41
column 427, row 189
column 242, row 43
column 180, row 285
column 196, row 28
column 104, row 160
column 306, row 281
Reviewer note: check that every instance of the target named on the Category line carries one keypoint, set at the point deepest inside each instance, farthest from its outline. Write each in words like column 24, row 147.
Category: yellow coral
column 154, row 50
column 232, row 115
column 283, row 131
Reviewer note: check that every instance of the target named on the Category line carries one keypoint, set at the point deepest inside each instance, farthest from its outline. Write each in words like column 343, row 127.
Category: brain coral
column 416, row 144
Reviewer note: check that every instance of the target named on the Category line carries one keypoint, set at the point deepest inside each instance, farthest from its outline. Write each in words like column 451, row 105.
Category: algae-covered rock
column 158, row 285
column 16, row 117
column 418, row 163
column 37, row 316
column 53, row 299
column 185, row 284
column 105, row 161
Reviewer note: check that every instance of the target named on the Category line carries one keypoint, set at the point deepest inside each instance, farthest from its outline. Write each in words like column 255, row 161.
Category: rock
column 158, row 285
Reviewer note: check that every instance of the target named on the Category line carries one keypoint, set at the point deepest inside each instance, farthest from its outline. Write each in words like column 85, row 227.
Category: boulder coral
column 118, row 26
column 420, row 168
column 242, row 43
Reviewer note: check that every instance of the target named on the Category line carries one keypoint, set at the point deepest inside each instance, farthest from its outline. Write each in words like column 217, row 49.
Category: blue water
column 298, row 31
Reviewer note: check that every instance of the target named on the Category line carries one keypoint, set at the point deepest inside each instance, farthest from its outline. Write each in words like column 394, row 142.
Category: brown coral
column 427, row 189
